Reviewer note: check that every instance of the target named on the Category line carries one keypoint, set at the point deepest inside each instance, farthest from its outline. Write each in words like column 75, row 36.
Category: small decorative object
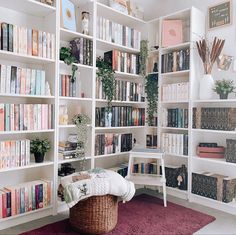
column 107, row 76
column 172, row 32
column 68, row 58
column 82, row 122
column 155, row 67
column 224, row 87
column 220, row 15
column 85, row 22
column 39, row 148
column 183, row 178
column 208, row 52
column 224, row 62
column 119, row 5
column 143, row 57
column 68, row 15
column 151, row 89
column 63, row 115
column 47, row 89
column 66, row 169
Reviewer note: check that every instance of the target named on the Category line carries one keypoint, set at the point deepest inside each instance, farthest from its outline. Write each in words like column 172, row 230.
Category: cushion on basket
column 101, row 182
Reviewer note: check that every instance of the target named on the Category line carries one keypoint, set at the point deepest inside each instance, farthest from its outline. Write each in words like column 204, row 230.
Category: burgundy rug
column 143, row 215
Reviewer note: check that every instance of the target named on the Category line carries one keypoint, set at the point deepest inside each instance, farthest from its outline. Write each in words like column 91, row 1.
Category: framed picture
column 220, row 15
column 68, row 15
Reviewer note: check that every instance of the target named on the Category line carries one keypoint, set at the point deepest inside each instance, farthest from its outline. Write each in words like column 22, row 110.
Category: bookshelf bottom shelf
column 151, row 180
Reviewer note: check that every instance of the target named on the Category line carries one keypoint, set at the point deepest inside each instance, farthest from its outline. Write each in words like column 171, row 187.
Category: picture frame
column 220, row 15
column 68, row 20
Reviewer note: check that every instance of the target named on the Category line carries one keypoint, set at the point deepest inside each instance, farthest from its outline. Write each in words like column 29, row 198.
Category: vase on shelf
column 206, row 87
column 39, row 157
column 224, row 96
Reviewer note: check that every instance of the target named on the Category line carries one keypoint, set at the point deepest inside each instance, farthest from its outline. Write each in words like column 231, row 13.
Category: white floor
column 225, row 224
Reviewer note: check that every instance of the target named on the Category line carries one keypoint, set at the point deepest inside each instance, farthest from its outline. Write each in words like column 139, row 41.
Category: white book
column 3, row 78
column 98, row 28
column 33, row 82
column 27, row 151
column 107, row 30
column 8, row 80
column 28, row 81
column 13, row 153
column 21, row 117
column 48, row 45
column 40, row 43
column 15, row 38
column 39, row 119
column 42, row 87
column 36, row 117
column 181, row 144
column 18, row 153
column 12, row 117
column 44, row 44
column 24, row 41
column 53, row 46
column 104, row 29
column 22, row 153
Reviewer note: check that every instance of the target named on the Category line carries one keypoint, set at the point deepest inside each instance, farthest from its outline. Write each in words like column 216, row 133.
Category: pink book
column 2, row 120
column 172, row 32
column 13, row 200
column 23, row 81
column 1, row 193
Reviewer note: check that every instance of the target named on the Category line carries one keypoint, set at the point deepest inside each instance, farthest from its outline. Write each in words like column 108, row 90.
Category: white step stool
column 148, row 179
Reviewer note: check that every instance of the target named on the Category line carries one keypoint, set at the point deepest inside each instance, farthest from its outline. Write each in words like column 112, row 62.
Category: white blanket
column 101, row 183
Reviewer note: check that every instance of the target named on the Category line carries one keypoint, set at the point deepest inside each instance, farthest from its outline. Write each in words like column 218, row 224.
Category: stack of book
column 122, row 169
column 67, row 87
column 82, row 50
column 16, row 80
column 175, row 118
column 151, row 141
column 214, row 118
column 117, row 33
column 174, row 143
column 14, row 153
column 120, row 116
column 144, row 168
column 125, row 91
column 122, row 61
column 217, row 187
column 175, row 61
column 25, row 197
column 175, row 92
column 19, row 117
column 109, row 143
column 66, row 150
column 27, row 41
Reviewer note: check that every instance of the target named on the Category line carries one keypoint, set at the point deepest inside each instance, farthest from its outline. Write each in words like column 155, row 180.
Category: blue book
column 38, row 82
column 7, row 117
column 22, row 200
column 33, row 197
column 42, row 83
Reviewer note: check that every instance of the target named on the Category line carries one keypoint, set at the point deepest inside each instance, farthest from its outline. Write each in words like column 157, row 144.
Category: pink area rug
column 143, row 215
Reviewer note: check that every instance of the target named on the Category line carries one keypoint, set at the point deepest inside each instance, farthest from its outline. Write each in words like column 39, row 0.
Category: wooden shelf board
column 29, row 59
column 31, row 7
column 31, row 165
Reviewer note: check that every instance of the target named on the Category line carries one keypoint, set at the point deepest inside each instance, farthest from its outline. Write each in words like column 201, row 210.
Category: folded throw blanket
column 96, row 182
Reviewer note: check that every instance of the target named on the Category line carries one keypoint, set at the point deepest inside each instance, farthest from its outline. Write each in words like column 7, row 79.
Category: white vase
column 206, row 87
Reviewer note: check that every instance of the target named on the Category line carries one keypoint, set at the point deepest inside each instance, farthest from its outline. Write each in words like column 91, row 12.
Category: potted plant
column 208, row 52
column 151, row 89
column 107, row 76
column 224, row 87
column 39, row 148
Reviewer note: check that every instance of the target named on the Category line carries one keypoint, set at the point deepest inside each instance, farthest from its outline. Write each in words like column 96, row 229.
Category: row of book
column 174, row 143
column 119, row 116
column 25, row 197
column 117, row 33
column 14, row 153
column 177, row 117
column 215, row 186
column 175, row 61
column 214, row 118
column 125, row 91
column 110, row 143
column 123, row 61
column 19, row 117
column 67, row 86
column 82, row 50
column 66, row 150
column 25, row 81
column 175, row 92
column 122, row 169
column 145, row 168
column 27, row 41
column 151, row 141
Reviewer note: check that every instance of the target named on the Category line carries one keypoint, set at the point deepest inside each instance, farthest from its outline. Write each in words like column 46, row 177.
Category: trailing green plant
column 107, row 76
column 39, row 146
column 82, row 122
column 151, row 89
column 143, row 57
column 224, row 87
column 68, row 58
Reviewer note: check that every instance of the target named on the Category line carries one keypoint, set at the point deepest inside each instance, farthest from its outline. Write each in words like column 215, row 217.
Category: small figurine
column 47, row 89
column 85, row 22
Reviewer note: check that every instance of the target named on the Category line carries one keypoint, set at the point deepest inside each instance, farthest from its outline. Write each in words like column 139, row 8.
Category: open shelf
column 80, row 66
column 215, row 160
column 73, row 160
column 177, row 73
column 122, row 102
column 174, row 128
column 111, row 155
column 75, row 98
column 117, row 128
column 214, row 131
column 26, row 96
column 68, row 35
column 176, row 155
column 175, row 47
column 25, row 132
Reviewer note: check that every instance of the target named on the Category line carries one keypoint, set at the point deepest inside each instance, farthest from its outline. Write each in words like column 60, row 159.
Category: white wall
column 164, row 7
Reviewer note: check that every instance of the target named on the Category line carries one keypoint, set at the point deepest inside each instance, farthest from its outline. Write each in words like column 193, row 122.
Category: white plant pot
column 206, row 87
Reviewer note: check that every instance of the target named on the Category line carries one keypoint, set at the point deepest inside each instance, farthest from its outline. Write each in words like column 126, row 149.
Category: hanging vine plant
column 143, row 57
column 68, row 58
column 82, row 122
column 151, row 89
column 107, row 76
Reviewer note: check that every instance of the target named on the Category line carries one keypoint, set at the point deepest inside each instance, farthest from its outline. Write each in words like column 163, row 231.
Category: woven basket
column 95, row 215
